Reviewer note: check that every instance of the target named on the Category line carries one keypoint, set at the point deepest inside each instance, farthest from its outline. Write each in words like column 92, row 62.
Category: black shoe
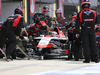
column 81, row 58
column 69, row 58
column 86, row 61
column 96, row 61
column 13, row 57
column 9, row 59
column 76, row 59
column 92, row 60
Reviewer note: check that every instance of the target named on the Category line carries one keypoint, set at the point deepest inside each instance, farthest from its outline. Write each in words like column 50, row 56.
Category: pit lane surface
column 48, row 67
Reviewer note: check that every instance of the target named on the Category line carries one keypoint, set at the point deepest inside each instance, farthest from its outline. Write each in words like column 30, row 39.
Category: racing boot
column 96, row 61
column 86, row 61
column 9, row 59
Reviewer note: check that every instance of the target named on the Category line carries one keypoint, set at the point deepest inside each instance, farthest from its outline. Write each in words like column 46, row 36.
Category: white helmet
column 54, row 34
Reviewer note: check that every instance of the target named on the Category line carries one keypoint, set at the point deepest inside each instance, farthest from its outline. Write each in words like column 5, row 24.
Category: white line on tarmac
column 93, row 69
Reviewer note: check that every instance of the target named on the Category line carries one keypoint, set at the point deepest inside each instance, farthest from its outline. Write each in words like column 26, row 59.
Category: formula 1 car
column 48, row 43
column 54, row 44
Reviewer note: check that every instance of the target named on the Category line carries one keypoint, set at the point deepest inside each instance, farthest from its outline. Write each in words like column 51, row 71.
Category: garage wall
column 68, row 10
column 71, row 2
column 42, row 5
column 8, row 9
column 46, row 1
column 94, row 3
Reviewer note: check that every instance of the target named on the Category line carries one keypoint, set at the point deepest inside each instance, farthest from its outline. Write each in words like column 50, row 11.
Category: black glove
column 21, row 37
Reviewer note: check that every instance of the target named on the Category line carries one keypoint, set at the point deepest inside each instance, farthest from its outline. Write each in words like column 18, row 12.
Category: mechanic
column 45, row 11
column 37, row 28
column 75, row 42
column 97, row 32
column 71, row 26
column 10, row 29
column 60, row 19
column 71, row 34
column 87, row 19
column 1, row 43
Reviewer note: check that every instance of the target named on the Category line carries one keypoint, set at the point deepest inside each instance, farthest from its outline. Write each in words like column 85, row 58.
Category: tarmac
column 57, row 66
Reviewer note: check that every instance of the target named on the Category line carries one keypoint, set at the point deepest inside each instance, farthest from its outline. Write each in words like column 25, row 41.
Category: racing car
column 55, row 43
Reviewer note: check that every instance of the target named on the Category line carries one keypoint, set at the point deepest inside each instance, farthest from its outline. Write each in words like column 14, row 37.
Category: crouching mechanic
column 39, row 27
column 12, row 28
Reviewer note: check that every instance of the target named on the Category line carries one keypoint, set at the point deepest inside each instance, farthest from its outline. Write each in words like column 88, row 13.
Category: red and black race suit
column 48, row 20
column 62, row 20
column 71, row 34
column 10, row 28
column 76, row 42
column 87, row 19
column 14, row 23
column 33, row 29
column 36, row 30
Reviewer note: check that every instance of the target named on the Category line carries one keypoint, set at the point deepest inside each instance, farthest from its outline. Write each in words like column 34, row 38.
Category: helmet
column 74, row 14
column 85, row 4
column 19, row 10
column 38, row 17
column 54, row 34
column 98, row 28
column 45, row 8
column 58, row 11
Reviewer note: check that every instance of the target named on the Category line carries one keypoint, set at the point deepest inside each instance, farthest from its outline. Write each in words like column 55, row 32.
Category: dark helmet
column 97, row 28
column 38, row 17
column 58, row 11
column 19, row 10
column 85, row 4
column 45, row 8
column 74, row 14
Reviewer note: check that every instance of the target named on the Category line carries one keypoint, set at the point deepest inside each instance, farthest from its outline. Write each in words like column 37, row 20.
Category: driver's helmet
column 98, row 28
column 54, row 34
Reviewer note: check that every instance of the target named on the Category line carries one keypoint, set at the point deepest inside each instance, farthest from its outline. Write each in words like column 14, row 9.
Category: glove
column 21, row 37
column 26, row 39
column 30, row 37
column 77, row 35
column 17, row 37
